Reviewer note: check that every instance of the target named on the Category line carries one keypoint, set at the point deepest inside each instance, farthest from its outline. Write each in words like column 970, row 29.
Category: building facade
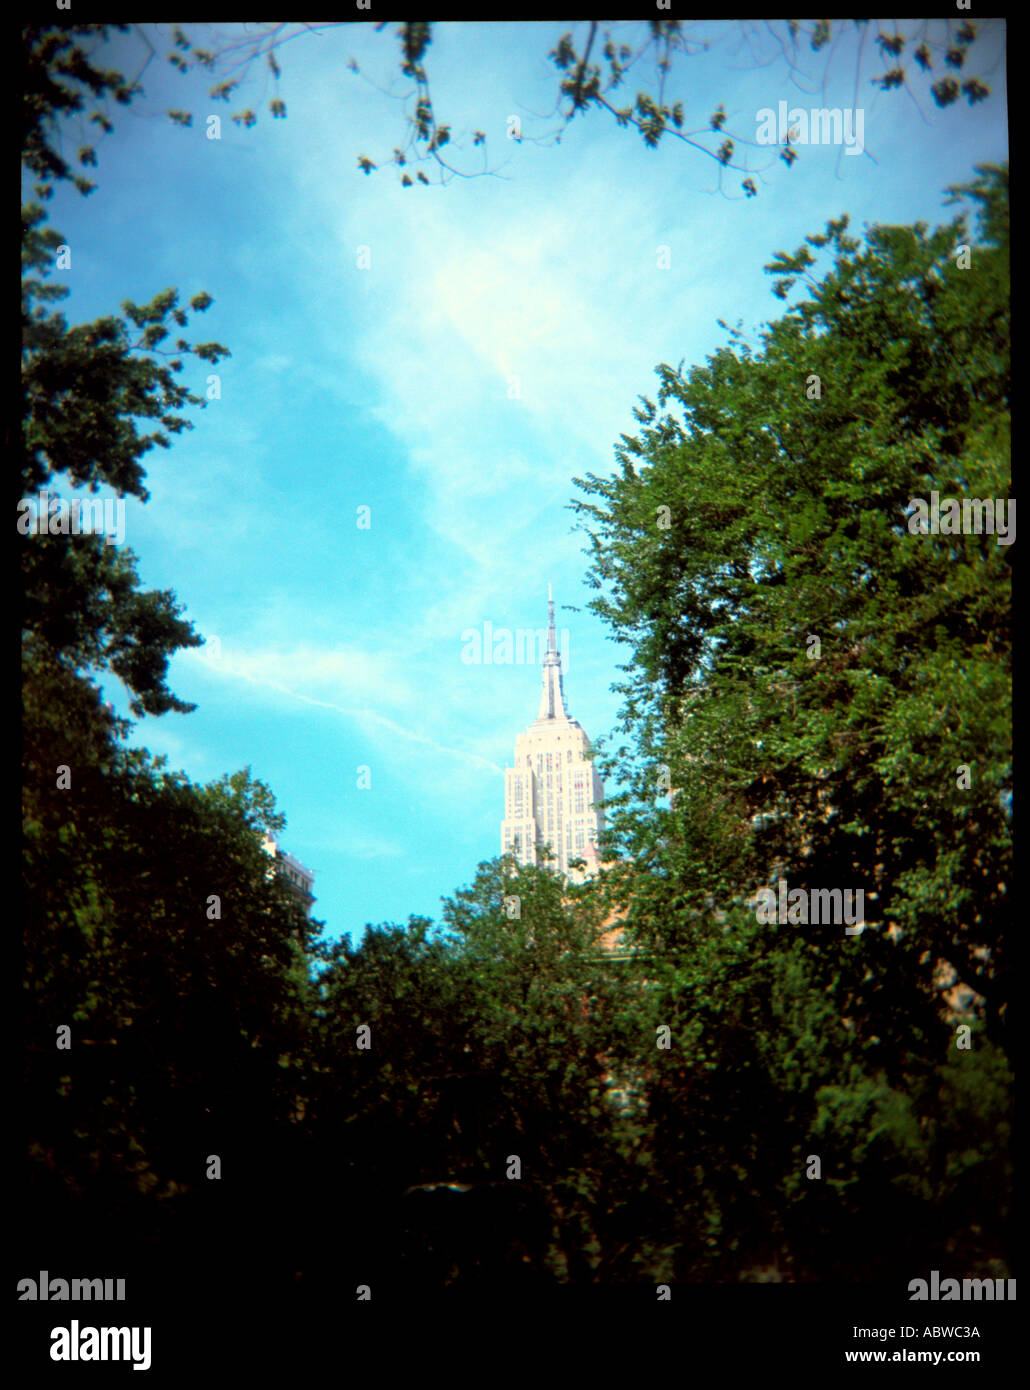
column 553, row 796
column 300, row 879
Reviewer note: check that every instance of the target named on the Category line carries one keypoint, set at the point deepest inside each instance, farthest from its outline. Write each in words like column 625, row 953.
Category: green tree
column 816, row 678
column 86, row 389
column 488, row 1040
column 595, row 62
column 158, row 933
column 154, row 929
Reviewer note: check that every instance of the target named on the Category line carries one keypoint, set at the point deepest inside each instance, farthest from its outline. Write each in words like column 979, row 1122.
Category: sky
column 450, row 359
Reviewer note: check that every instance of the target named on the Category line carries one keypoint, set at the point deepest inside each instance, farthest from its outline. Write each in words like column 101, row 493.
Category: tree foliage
column 487, row 1042
column 165, row 981
column 86, row 388
column 664, row 1107
column 595, row 63
column 784, row 476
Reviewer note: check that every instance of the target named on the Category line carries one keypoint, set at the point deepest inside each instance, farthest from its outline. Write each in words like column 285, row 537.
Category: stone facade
column 553, row 795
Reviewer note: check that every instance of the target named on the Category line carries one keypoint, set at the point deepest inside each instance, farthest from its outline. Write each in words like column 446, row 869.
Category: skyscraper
column 300, row 879
column 553, row 795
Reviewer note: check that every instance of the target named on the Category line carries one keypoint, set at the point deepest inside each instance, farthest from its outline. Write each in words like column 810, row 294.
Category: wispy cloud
column 296, row 672
column 351, row 672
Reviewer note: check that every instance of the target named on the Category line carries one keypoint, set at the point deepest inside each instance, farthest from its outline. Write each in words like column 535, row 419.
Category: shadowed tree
column 829, row 689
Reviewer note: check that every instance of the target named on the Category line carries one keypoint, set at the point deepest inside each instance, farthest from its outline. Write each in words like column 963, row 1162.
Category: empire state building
column 553, row 796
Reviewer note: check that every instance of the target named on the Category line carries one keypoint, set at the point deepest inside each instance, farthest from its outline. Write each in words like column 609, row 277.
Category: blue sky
column 389, row 387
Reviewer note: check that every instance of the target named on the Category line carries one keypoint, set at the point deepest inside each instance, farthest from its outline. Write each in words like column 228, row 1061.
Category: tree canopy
column 817, row 693
column 827, row 693
column 597, row 63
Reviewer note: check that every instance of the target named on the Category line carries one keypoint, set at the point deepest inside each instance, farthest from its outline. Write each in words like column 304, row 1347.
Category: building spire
column 552, row 699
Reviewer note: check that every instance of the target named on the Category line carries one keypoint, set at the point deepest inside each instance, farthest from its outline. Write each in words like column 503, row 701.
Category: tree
column 165, row 983
column 57, row 74
column 485, row 1041
column 83, row 390
column 157, row 934
column 829, row 689
column 594, row 63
